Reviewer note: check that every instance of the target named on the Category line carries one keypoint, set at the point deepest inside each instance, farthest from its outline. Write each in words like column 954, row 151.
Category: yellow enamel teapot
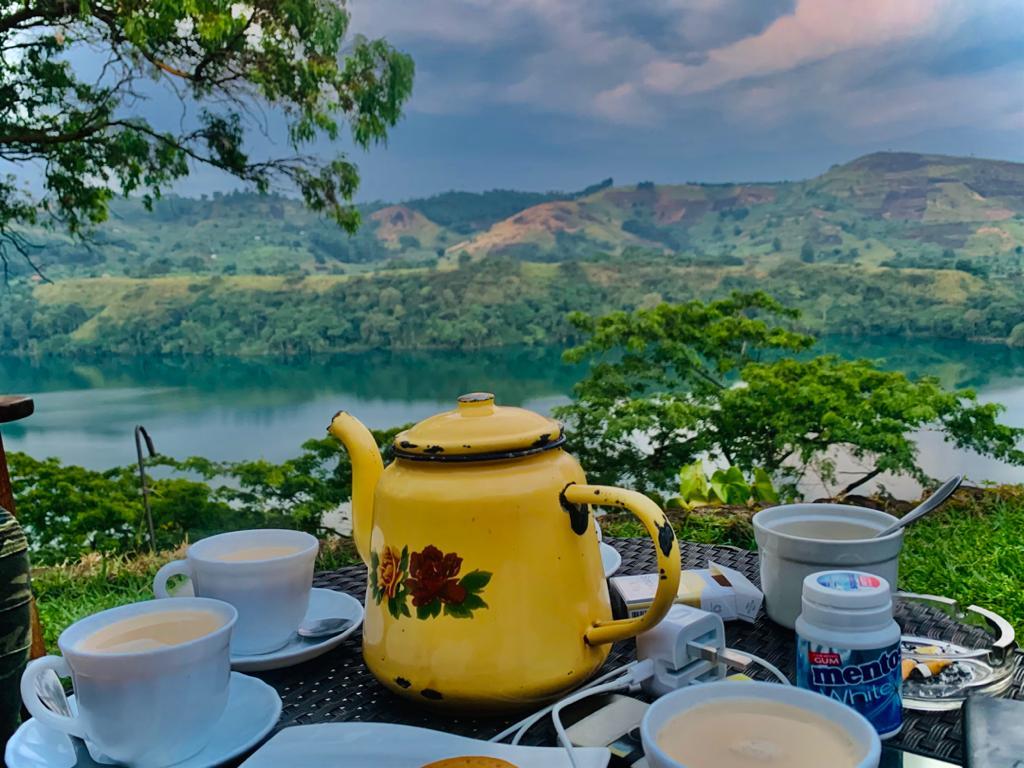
column 485, row 586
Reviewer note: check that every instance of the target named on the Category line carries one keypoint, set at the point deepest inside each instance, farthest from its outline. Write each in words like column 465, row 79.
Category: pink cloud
column 815, row 30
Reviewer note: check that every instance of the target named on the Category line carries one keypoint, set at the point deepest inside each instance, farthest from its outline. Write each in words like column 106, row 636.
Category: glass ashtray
column 950, row 651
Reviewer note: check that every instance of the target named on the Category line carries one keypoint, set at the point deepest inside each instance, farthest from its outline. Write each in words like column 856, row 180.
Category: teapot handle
column 665, row 546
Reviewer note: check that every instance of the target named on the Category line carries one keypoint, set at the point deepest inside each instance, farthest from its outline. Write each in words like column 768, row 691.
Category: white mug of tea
column 729, row 724
column 266, row 574
column 150, row 680
column 796, row 540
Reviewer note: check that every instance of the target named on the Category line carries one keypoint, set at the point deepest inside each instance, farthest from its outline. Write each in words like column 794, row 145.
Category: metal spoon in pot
column 936, row 500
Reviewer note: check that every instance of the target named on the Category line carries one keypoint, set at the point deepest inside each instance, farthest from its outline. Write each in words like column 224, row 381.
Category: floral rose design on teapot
column 431, row 578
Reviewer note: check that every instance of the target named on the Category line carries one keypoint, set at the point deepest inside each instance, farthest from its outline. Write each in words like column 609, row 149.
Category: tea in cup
column 755, row 725
column 265, row 574
column 150, row 680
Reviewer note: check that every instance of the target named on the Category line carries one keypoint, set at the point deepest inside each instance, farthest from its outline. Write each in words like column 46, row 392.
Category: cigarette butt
column 907, row 667
column 934, row 667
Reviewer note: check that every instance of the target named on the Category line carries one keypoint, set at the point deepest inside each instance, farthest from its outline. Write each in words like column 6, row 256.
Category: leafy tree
column 632, row 414
column 69, row 511
column 807, row 252
column 776, row 245
column 672, row 384
column 226, row 58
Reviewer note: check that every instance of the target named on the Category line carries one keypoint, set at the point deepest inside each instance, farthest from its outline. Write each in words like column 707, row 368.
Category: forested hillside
column 889, row 243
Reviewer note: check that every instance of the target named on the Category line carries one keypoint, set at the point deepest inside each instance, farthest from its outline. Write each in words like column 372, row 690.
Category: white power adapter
column 686, row 647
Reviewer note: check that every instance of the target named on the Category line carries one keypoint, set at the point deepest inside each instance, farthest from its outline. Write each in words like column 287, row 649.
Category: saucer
column 253, row 710
column 610, row 559
column 323, row 604
column 373, row 745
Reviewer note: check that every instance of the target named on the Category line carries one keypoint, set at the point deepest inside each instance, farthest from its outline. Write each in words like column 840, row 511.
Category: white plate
column 610, row 559
column 375, row 745
column 253, row 710
column 323, row 604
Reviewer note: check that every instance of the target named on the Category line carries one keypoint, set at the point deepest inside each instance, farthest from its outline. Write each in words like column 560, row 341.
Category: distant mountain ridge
column 884, row 208
column 924, row 204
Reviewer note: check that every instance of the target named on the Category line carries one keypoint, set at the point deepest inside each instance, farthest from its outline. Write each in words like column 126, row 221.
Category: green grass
column 65, row 594
column 971, row 550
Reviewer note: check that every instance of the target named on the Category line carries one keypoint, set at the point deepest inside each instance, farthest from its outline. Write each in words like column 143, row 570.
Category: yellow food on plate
column 470, row 762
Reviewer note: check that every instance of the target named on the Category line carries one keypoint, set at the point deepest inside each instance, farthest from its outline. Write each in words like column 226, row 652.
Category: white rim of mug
column 312, row 545
column 767, row 527
column 170, row 607
column 753, row 690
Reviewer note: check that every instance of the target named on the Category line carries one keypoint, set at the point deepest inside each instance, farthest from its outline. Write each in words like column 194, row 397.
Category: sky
column 559, row 94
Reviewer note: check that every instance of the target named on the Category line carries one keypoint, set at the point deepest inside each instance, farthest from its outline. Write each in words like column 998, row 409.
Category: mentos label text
column 867, row 680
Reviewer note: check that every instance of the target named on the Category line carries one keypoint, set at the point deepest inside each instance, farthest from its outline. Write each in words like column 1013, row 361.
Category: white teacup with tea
column 756, row 725
column 266, row 574
column 150, row 680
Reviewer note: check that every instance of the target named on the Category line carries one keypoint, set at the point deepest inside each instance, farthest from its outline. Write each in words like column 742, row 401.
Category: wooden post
column 13, row 408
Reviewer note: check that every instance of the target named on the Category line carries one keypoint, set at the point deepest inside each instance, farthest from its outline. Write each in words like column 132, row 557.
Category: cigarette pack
column 717, row 589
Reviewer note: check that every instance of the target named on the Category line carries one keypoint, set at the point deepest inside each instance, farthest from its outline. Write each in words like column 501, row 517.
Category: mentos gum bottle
column 848, row 646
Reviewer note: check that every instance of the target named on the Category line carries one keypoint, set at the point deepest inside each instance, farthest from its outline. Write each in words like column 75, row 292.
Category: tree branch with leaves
column 225, row 59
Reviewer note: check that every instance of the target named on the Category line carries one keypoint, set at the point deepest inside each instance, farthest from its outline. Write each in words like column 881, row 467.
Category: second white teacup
column 265, row 574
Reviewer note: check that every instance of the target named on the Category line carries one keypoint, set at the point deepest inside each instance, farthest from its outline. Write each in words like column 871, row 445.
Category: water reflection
column 259, row 407
column 957, row 364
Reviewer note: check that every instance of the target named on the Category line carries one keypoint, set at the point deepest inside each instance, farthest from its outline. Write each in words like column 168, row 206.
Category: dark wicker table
column 338, row 687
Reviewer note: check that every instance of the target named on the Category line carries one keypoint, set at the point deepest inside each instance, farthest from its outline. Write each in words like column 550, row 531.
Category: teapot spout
column 366, row 469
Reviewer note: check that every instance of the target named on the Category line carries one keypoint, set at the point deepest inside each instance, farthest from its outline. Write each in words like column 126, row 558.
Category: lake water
column 226, row 408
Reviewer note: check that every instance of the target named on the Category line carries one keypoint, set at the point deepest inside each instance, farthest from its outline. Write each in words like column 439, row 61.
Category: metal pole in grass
column 142, row 434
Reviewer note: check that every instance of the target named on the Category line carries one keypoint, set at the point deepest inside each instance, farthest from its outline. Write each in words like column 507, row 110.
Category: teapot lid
column 478, row 430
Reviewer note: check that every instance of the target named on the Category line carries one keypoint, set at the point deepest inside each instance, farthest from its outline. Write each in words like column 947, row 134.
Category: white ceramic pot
column 145, row 709
column 667, row 707
column 271, row 595
column 794, row 541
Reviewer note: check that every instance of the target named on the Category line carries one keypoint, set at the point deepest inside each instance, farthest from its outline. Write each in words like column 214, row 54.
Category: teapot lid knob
column 477, row 403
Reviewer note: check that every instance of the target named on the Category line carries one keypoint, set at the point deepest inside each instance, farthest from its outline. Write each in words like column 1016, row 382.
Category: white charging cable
column 736, row 659
column 524, row 725
column 767, row 665
column 634, row 677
